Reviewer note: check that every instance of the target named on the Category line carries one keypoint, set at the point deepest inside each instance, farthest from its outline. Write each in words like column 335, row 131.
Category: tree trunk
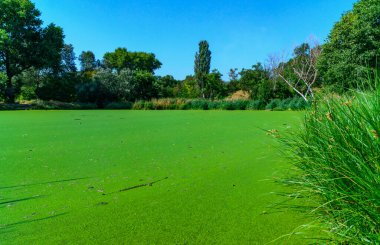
column 9, row 91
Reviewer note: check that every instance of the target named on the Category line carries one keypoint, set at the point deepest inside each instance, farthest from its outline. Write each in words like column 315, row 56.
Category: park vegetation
column 36, row 64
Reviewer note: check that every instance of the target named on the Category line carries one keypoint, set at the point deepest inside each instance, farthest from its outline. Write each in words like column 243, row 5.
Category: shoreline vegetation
column 293, row 104
column 335, row 159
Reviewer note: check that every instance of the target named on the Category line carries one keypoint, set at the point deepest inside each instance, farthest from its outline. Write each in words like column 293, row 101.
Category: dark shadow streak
column 31, row 221
column 21, row 199
column 43, row 183
column 138, row 186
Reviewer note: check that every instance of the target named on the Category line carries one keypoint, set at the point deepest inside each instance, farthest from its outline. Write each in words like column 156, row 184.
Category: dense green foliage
column 24, row 43
column 352, row 50
column 202, row 65
column 122, row 59
column 337, row 160
column 87, row 61
column 56, row 166
column 68, row 58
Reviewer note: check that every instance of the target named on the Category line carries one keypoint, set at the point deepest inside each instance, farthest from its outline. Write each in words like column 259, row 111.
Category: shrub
column 297, row 103
column 273, row 104
column 168, row 104
column 198, row 105
column 215, row 105
column 27, row 93
column 293, row 104
column 139, row 105
column 148, row 105
column 284, row 105
column 57, row 105
column 89, row 92
column 234, row 105
column 256, row 105
column 119, row 106
column 337, row 162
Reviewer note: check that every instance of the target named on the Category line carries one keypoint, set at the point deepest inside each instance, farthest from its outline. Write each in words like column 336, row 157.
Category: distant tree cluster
column 35, row 63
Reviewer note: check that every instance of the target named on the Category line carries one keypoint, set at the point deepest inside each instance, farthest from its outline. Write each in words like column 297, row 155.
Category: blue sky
column 240, row 32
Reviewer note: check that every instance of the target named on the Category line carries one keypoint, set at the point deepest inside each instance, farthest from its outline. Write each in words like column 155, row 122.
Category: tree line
column 35, row 63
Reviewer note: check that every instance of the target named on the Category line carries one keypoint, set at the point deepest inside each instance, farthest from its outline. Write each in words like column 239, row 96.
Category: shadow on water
column 4, row 203
column 11, row 225
column 7, row 201
column 8, row 229
column 43, row 183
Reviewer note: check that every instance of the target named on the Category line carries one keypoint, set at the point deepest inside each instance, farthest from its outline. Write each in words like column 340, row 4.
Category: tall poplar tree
column 202, row 65
column 68, row 58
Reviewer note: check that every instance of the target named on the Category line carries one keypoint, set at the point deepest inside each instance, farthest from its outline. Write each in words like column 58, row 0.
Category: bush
column 215, row 105
column 256, row 105
column 119, row 106
column 284, row 105
column 198, row 105
column 234, row 105
column 337, row 162
column 89, row 92
column 27, row 93
column 273, row 104
column 139, row 105
column 298, row 103
column 148, row 105
column 57, row 105
column 167, row 104
column 58, row 88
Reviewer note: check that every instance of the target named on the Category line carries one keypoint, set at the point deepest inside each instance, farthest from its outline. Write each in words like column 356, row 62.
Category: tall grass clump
column 119, row 106
column 256, row 105
column 336, row 158
column 273, row 104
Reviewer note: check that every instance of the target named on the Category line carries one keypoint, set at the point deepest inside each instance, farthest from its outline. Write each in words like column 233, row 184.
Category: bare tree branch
column 303, row 65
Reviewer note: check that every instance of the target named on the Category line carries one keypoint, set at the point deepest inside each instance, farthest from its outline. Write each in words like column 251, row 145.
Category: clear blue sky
column 240, row 32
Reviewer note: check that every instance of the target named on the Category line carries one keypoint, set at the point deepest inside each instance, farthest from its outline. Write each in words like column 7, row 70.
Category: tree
column 141, row 61
column 233, row 85
column 57, row 87
column 215, row 87
column 233, row 75
column 165, row 86
column 24, row 43
column 3, row 80
column 111, row 87
column 121, row 58
column 352, row 49
column 189, row 88
column 251, row 79
column 300, row 73
column 87, row 61
column 68, row 58
column 117, row 60
column 142, row 86
column 202, row 65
